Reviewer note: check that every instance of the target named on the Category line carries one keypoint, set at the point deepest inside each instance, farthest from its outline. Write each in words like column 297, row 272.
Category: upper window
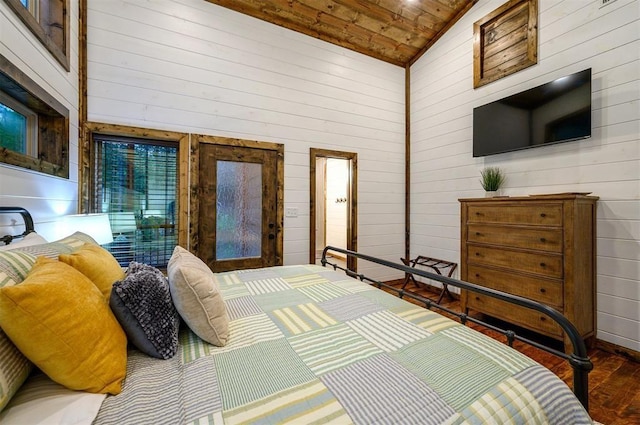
column 31, row 6
column 18, row 126
column 34, row 126
column 48, row 20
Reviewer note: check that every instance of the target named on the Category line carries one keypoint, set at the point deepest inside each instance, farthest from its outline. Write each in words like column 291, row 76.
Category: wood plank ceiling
column 395, row 31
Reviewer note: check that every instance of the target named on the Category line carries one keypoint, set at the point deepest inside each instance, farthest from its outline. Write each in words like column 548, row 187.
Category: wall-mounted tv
column 558, row 111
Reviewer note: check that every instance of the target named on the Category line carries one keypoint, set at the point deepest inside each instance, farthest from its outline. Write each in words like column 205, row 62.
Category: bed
column 308, row 344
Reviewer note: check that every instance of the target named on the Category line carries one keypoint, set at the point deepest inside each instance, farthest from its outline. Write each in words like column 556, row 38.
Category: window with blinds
column 136, row 183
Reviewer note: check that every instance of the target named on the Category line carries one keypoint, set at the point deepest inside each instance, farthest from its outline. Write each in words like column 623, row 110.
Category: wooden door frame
column 352, row 226
column 194, row 201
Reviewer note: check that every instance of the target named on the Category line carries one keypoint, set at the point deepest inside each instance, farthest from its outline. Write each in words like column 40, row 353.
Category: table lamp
column 95, row 225
column 123, row 222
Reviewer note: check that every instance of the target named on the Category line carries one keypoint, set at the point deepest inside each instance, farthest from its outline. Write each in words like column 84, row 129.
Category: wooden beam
column 407, row 159
column 84, row 150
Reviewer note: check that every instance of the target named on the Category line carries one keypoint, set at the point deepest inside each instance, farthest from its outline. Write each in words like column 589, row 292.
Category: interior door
column 347, row 199
column 238, row 203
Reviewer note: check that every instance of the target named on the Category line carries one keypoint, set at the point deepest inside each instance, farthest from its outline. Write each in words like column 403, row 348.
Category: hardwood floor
column 614, row 382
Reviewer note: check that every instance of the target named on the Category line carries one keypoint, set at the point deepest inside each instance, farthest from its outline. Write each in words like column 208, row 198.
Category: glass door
column 238, row 226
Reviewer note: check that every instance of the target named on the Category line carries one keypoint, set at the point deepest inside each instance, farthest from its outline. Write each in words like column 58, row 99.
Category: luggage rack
column 437, row 265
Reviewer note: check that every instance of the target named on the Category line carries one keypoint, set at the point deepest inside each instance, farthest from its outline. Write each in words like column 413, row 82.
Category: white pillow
column 40, row 401
column 31, row 239
column 197, row 298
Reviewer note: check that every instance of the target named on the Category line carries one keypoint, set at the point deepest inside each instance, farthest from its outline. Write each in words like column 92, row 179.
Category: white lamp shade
column 123, row 222
column 95, row 225
column 152, row 213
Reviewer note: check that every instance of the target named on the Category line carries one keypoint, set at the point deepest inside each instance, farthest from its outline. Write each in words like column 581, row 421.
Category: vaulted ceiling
column 395, row 31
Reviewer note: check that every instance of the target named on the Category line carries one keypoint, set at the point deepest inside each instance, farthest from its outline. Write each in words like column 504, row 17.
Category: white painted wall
column 573, row 35
column 191, row 66
column 45, row 197
column 336, row 192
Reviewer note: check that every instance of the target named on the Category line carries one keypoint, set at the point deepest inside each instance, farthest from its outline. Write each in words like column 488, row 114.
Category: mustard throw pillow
column 60, row 321
column 97, row 264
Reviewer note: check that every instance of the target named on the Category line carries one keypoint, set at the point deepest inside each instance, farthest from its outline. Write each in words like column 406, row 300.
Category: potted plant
column 492, row 180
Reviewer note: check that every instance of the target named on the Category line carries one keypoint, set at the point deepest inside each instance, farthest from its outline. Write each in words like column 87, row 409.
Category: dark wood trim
column 352, row 228
column 280, row 206
column 440, row 33
column 194, row 204
column 84, row 150
column 184, row 190
column 228, row 141
column 312, row 206
column 407, row 160
column 60, row 51
column 137, row 132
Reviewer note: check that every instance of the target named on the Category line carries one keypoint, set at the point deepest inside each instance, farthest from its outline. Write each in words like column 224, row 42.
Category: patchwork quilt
column 310, row 345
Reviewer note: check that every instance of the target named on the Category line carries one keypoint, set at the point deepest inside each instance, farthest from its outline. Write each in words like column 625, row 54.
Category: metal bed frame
column 28, row 223
column 578, row 360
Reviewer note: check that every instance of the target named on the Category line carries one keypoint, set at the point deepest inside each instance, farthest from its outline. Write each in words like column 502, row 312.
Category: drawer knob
column 543, row 290
column 478, row 213
column 478, row 233
column 477, row 274
column 543, row 319
column 543, row 240
column 543, row 215
column 543, row 265
column 477, row 298
column 477, row 254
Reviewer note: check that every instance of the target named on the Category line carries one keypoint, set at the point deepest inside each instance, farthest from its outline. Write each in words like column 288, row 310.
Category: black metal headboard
column 28, row 223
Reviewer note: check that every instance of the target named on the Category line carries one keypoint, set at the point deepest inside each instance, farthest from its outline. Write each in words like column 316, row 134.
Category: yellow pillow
column 97, row 264
column 58, row 319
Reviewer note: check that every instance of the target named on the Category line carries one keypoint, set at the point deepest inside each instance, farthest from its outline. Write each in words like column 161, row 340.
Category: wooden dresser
column 540, row 247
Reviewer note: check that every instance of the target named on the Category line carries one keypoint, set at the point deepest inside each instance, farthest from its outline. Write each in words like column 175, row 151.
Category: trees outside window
column 136, row 182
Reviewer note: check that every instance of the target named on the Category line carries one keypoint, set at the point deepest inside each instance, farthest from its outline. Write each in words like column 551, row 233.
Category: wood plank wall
column 573, row 35
column 195, row 67
column 46, row 197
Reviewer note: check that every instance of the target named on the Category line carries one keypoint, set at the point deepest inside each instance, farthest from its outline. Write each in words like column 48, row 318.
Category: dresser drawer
column 546, row 291
column 549, row 265
column 517, row 237
column 515, row 314
column 540, row 214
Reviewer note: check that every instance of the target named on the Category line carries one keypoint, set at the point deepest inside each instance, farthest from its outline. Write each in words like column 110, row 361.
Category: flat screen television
column 558, row 111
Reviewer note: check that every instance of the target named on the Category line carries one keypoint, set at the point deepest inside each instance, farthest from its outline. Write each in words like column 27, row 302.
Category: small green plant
column 492, row 179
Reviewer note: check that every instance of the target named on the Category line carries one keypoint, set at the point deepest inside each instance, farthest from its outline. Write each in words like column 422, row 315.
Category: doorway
column 333, row 203
column 239, row 206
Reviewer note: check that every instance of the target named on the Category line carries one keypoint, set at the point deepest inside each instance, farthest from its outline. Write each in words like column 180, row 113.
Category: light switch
column 291, row 212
